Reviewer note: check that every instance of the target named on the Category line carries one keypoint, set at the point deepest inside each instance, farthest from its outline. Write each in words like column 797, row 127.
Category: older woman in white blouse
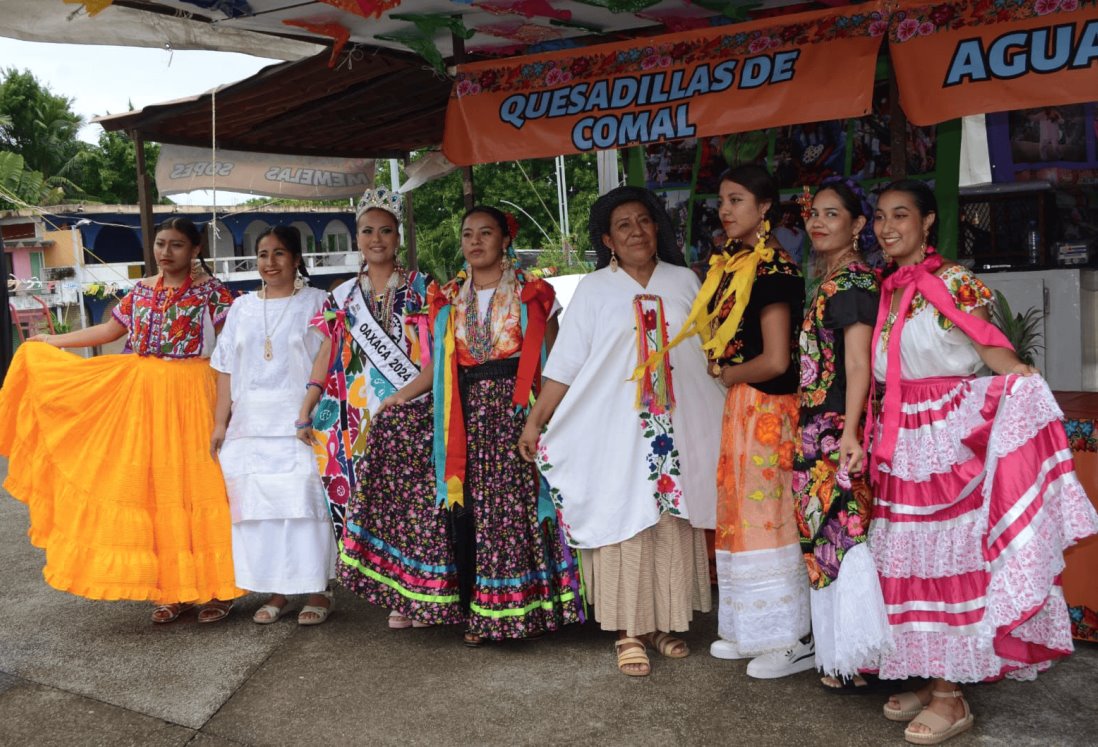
column 630, row 453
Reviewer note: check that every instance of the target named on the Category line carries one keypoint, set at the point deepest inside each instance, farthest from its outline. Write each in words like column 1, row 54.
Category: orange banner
column 799, row 68
column 957, row 58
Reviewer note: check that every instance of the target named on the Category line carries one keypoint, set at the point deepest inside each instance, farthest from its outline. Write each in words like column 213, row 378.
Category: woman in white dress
column 631, row 463
column 282, row 535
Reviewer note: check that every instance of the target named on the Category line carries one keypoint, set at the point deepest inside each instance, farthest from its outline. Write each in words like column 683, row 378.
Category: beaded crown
column 382, row 198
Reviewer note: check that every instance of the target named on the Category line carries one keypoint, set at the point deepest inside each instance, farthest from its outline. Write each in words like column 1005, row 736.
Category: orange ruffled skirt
column 111, row 456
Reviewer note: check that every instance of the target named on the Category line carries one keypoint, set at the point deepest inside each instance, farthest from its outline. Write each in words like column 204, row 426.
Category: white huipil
column 594, row 453
column 282, row 534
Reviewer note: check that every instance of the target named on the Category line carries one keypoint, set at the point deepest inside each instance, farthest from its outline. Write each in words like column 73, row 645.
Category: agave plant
column 1023, row 330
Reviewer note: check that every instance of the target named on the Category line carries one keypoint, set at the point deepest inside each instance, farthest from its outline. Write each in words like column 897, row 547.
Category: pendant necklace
column 268, row 348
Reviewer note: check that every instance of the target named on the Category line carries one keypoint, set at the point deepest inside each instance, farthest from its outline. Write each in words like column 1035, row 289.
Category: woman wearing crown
column 394, row 550
column 517, row 576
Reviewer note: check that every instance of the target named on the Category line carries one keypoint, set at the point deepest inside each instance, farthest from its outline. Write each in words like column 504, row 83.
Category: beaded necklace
column 478, row 332
column 381, row 304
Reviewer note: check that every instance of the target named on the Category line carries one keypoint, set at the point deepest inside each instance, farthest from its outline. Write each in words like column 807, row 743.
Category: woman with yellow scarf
column 747, row 313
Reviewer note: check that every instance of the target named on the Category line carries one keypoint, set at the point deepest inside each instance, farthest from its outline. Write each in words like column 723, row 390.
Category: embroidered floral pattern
column 924, row 20
column 343, row 414
column 1081, row 434
column 968, row 291
column 161, row 326
column 781, row 264
column 818, row 342
column 688, row 52
column 663, row 462
column 832, row 507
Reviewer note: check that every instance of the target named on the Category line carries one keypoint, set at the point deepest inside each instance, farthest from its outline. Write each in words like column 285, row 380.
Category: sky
column 103, row 80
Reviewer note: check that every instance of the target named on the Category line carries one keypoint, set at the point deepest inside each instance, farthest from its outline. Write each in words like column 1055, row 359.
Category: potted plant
column 1023, row 330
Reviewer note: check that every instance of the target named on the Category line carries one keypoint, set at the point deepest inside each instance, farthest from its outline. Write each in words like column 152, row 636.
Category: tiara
column 383, row 199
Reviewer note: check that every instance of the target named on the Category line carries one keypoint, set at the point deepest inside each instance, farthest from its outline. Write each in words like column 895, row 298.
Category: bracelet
column 313, row 382
column 302, row 424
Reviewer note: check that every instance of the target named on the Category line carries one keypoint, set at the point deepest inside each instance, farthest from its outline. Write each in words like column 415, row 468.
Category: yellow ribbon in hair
column 742, row 266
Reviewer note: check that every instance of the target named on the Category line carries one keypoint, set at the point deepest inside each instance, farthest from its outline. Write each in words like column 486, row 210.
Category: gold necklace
column 268, row 348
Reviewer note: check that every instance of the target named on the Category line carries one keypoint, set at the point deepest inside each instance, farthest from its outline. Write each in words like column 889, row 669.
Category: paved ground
column 76, row 672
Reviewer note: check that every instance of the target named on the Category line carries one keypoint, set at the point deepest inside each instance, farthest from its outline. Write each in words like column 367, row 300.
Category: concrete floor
column 77, row 672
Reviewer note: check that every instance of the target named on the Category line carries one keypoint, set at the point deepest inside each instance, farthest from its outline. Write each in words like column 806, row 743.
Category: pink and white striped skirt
column 972, row 516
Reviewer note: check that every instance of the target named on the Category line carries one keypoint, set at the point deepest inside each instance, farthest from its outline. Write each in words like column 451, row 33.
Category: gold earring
column 854, row 241
column 761, row 234
column 613, row 262
column 505, row 263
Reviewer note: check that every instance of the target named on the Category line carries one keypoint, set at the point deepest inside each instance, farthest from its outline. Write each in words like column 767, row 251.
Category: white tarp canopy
column 57, row 22
column 182, row 168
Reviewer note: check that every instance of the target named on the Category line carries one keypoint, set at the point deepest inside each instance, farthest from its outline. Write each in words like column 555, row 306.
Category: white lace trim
column 763, row 599
column 849, row 621
column 926, row 549
column 936, row 448
column 957, row 658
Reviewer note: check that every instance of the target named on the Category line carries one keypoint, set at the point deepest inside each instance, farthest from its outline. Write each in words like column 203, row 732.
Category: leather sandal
column 910, row 707
column 668, row 645
column 214, row 610
column 166, row 613
column 319, row 614
column 636, row 653
column 941, row 728
column 472, row 640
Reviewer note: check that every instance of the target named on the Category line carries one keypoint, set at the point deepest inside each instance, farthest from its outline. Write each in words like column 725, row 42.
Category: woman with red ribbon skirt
column 395, row 547
column 491, row 325
column 975, row 492
column 630, row 464
column 112, row 454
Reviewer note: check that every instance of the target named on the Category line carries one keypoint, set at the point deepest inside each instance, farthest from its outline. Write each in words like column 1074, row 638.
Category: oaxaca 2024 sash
column 384, row 353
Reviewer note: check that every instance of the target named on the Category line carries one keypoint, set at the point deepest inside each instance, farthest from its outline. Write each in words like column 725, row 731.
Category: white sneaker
column 722, row 649
column 800, row 658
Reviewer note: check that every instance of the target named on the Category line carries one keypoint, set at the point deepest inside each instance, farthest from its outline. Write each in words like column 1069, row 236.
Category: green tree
column 39, row 125
column 18, row 184
column 530, row 184
column 108, row 169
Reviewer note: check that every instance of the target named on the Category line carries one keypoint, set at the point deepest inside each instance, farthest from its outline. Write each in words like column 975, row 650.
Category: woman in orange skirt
column 748, row 312
column 111, row 454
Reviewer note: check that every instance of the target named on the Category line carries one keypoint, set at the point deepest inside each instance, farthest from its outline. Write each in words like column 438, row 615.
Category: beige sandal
column 635, row 654
column 270, row 613
column 941, row 728
column 319, row 614
column 910, row 707
column 668, row 645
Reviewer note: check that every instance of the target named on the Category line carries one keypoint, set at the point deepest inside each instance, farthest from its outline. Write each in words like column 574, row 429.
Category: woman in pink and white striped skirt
column 976, row 494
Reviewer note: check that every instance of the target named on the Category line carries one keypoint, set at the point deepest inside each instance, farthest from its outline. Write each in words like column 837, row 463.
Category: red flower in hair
column 512, row 225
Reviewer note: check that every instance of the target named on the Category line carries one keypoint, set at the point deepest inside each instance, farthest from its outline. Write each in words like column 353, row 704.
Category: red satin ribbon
column 910, row 280
column 537, row 296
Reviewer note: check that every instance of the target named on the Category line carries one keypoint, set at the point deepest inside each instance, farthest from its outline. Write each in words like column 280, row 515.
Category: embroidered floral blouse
column 850, row 297
column 932, row 345
column 776, row 281
column 174, row 323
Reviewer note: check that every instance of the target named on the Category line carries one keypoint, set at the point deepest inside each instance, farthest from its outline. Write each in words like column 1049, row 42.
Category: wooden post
column 144, row 199
column 468, row 189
